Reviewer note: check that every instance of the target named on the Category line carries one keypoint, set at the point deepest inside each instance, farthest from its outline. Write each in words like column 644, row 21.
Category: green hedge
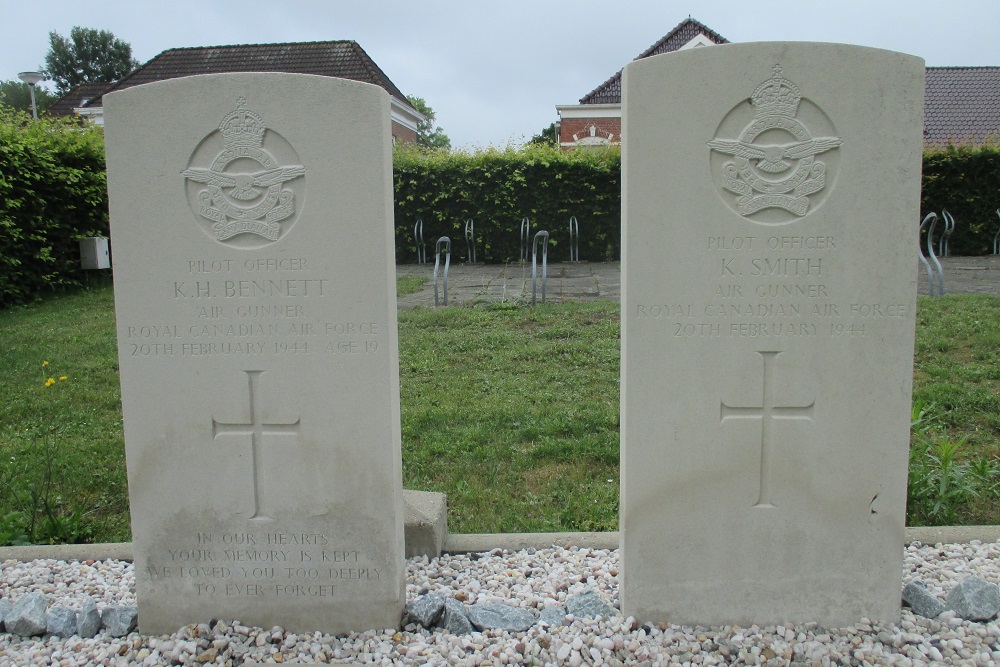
column 497, row 188
column 965, row 180
column 53, row 192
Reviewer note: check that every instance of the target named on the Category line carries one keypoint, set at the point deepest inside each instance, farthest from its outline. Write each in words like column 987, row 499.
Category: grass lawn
column 513, row 412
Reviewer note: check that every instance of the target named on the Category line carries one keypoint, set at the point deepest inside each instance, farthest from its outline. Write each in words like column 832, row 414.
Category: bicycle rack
column 418, row 237
column 534, row 264
column 949, row 226
column 930, row 222
column 446, row 242
column 525, row 238
column 574, row 239
column 470, row 240
column 923, row 260
column 996, row 239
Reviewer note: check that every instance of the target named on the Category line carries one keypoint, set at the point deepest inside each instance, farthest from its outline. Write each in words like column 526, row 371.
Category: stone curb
column 480, row 542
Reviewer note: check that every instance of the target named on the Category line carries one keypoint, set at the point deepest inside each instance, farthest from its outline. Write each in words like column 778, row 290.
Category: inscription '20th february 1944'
column 764, row 293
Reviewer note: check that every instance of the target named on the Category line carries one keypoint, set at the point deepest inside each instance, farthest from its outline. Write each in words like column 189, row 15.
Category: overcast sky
column 494, row 71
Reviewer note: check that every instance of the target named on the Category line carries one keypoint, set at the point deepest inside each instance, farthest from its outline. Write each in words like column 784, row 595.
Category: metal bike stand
column 418, row 237
column 470, row 241
column 525, row 238
column 446, row 242
column 929, row 219
column 534, row 264
column 574, row 239
column 944, row 249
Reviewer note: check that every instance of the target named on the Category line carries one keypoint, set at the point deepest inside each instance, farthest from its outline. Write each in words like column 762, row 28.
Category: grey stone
column 5, row 607
column 425, row 520
column 455, row 619
column 921, row 601
column 61, row 622
column 588, row 605
column 426, row 609
column 120, row 620
column 498, row 616
column 88, row 621
column 553, row 616
column 27, row 616
column 974, row 599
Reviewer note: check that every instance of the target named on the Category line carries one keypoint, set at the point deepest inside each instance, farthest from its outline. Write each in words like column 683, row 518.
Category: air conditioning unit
column 94, row 253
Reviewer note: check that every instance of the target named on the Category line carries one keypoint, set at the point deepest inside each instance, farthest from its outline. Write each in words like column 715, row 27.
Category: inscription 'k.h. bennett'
column 256, row 428
column 767, row 412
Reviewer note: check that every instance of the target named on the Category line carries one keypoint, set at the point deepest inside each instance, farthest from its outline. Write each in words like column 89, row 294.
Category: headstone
column 251, row 219
column 770, row 200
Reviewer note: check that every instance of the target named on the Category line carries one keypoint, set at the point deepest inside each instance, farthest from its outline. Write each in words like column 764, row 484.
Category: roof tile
column 961, row 105
column 344, row 59
column 610, row 92
column 78, row 97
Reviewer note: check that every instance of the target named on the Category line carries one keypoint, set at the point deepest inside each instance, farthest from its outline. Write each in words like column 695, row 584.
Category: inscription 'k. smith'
column 256, row 428
column 767, row 412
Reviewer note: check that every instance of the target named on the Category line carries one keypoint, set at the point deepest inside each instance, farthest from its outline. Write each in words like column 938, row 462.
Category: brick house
column 344, row 59
column 961, row 104
column 597, row 119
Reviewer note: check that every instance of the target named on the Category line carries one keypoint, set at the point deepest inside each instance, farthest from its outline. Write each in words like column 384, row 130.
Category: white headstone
column 770, row 214
column 251, row 219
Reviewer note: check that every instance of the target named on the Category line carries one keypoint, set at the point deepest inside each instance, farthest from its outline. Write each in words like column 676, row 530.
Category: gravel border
column 532, row 580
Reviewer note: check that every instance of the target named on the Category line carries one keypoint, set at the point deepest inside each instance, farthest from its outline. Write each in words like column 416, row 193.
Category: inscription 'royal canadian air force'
column 771, row 174
column 244, row 183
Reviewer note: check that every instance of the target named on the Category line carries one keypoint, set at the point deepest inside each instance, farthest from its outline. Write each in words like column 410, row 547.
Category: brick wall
column 403, row 135
column 581, row 127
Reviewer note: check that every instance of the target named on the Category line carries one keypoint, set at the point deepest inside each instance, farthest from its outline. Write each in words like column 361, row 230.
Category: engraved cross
column 256, row 429
column 767, row 412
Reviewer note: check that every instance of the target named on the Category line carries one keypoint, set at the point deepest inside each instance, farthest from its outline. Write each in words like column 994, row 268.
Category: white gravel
column 530, row 579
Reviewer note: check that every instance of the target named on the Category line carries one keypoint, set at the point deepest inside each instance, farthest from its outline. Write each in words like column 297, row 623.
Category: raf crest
column 245, row 189
column 774, row 162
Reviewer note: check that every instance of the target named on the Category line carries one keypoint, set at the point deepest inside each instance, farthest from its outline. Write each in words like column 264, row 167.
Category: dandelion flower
column 50, row 382
column 45, row 363
column 62, row 377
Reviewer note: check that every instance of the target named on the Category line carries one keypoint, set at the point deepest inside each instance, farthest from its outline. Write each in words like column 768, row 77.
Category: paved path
column 590, row 281
column 967, row 275
column 493, row 283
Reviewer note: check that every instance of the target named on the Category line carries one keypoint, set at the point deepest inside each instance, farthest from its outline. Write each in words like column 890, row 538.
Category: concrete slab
column 425, row 516
column 458, row 543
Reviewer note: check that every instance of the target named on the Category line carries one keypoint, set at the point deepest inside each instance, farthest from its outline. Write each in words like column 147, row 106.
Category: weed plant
column 956, row 379
column 941, row 485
